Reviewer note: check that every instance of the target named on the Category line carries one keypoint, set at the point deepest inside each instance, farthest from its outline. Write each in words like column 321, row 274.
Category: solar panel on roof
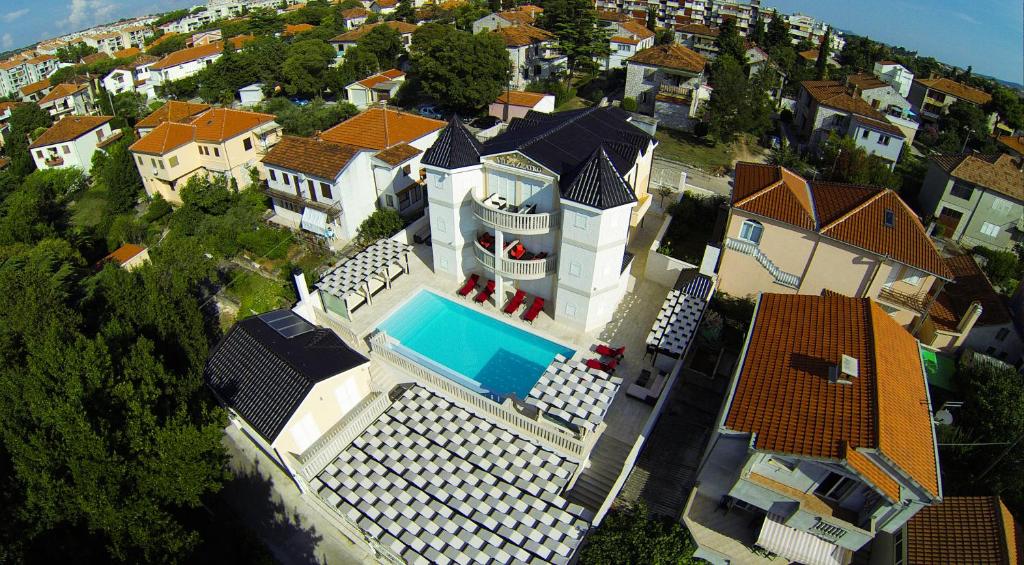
column 286, row 323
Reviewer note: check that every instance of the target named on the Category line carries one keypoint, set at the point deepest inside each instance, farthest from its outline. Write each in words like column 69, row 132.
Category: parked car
column 485, row 122
column 431, row 111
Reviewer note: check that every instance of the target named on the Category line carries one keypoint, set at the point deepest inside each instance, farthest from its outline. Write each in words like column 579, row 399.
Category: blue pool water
column 498, row 357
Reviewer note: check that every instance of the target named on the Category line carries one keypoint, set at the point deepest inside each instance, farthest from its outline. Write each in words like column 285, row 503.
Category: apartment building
column 785, row 234
column 349, row 39
column 355, row 17
column 25, row 69
column 67, row 98
column 706, row 12
column 627, row 39
column 219, row 141
column 699, row 38
column 896, row 75
column 931, row 97
column 825, row 440
column 667, row 82
column 565, row 188
column 886, row 99
column 72, row 141
column 532, row 53
column 330, row 184
column 826, row 106
column 526, row 14
column 806, row 28
column 976, row 199
column 108, row 43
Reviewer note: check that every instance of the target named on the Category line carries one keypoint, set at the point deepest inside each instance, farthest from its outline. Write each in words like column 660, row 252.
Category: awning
column 315, row 221
column 799, row 546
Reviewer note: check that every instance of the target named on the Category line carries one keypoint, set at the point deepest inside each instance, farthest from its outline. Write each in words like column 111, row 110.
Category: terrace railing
column 558, row 438
column 522, row 224
column 330, row 444
column 529, row 269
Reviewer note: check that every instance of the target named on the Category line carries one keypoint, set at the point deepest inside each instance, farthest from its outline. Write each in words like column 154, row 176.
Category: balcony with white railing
column 500, row 216
column 518, row 269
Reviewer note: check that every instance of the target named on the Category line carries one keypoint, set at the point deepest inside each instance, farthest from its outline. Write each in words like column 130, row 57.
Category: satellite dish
column 944, row 417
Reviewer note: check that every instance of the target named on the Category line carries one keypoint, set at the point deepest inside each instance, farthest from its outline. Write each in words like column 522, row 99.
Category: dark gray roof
column 455, row 148
column 264, row 375
column 598, row 183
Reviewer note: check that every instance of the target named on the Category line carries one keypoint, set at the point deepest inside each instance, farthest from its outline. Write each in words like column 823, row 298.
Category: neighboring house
column 189, row 61
column 206, row 37
column 35, row 91
column 72, row 141
column 977, row 199
column 1012, row 144
column 129, row 256
column 757, row 61
column 699, row 38
column 349, row 39
column 517, row 104
column 532, row 53
column 667, row 82
column 521, row 15
column 887, row 100
column 970, row 313
column 380, row 87
column 825, row 440
column 827, row 106
column 65, row 99
column 896, row 75
column 627, row 39
column 810, row 57
column 95, row 58
column 285, row 382
column 119, row 81
column 961, row 529
column 293, row 30
column 172, row 111
column 251, row 95
column 932, row 97
column 567, row 186
column 785, row 234
column 383, row 7
column 106, row 43
column 218, row 142
column 5, row 116
column 331, row 184
column 355, row 17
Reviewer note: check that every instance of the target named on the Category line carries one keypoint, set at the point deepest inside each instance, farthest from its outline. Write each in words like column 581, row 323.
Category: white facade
column 895, row 74
column 74, row 153
column 534, row 62
column 119, row 81
column 177, row 72
column 21, row 71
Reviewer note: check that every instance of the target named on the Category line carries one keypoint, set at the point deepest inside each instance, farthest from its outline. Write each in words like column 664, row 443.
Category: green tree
column 738, row 104
column 632, row 535
column 405, row 11
column 305, row 69
column 785, row 156
column 730, row 43
column 964, row 122
column 74, row 53
column 665, row 36
column 25, row 119
column 380, row 224
column 777, row 33
column 757, row 32
column 385, row 43
column 169, row 45
column 466, row 13
column 359, row 63
column 579, row 34
column 446, row 72
column 652, row 19
column 121, row 178
column 821, row 65
column 34, row 212
column 1003, row 268
column 1009, row 106
column 843, row 161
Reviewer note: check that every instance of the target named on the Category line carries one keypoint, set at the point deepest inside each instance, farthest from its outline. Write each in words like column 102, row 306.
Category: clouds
column 84, row 13
column 6, row 41
column 11, row 16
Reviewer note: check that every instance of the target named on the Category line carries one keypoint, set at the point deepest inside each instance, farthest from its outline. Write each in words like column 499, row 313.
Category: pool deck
column 629, row 326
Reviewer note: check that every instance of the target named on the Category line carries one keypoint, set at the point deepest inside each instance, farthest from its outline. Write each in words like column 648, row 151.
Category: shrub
column 701, row 129
column 266, row 242
column 629, row 104
column 158, row 208
column 381, row 224
column 1002, row 267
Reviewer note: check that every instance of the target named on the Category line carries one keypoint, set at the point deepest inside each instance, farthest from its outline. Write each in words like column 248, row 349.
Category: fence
column 552, row 435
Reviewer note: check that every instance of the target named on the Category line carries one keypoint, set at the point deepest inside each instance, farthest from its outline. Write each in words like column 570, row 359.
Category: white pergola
column 355, row 280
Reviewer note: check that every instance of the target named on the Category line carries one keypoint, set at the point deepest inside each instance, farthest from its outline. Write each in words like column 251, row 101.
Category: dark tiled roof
column 321, row 159
column 784, row 396
column 598, row 184
column 964, row 529
column 455, row 148
column 670, row 56
column 969, row 285
column 265, row 376
column 835, row 94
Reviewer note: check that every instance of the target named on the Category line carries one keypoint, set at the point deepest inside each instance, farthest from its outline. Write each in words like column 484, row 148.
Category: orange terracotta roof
column 517, row 16
column 809, row 55
column 612, row 16
column 221, row 124
column 69, row 128
column 637, row 29
column 62, row 90
column 963, row 529
column 35, row 87
column 397, row 154
column 866, row 81
column 124, row 253
column 386, row 3
column 188, row 55
column 172, row 111
column 969, row 285
column 4, row 161
column 127, row 53
column 522, row 34
column 774, row 192
column 835, row 94
column 872, row 473
column 297, row 29
column 321, row 159
column 368, row 128
column 671, row 56
column 353, row 13
column 354, row 35
column 784, row 396
column 373, row 80
column 996, row 172
column 164, row 137
column 5, row 106
column 521, row 98
column 161, row 39
column 10, row 64
column 1014, row 143
column 95, row 58
column 697, row 29
column 953, row 88
column 40, row 59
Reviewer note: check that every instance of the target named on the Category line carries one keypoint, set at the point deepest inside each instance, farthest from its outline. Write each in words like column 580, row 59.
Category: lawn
column 697, row 152
column 257, row 294
column 90, row 206
column 574, row 103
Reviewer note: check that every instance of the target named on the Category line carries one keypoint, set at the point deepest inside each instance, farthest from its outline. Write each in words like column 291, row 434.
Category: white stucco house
column 627, row 39
column 380, row 87
column 895, row 74
column 72, row 141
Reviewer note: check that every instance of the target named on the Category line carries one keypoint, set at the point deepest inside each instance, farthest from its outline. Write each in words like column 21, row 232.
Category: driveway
column 269, row 503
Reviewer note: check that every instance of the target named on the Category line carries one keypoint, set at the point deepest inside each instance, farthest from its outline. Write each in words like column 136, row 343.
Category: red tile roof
column 62, row 90
column 835, row 94
column 368, row 129
column 164, row 138
column 220, row 124
column 188, row 55
column 297, row 29
column 172, row 111
column 397, row 154
column 783, row 394
column 373, row 80
column 314, row 157
column 127, row 53
column 35, row 87
column 1013, row 142
column 671, row 56
column 69, row 128
column 355, row 35
column 521, row 98
column 953, row 88
column 964, row 529
column 523, row 34
column 124, row 253
column 969, row 285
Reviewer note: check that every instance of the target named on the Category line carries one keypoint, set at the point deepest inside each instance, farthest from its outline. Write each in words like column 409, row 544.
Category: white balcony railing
column 515, row 269
column 517, row 223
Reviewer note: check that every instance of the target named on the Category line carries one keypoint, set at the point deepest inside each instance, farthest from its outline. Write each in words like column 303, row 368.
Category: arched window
column 751, row 231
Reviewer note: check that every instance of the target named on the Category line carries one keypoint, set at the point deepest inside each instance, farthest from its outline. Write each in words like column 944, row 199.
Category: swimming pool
column 496, row 357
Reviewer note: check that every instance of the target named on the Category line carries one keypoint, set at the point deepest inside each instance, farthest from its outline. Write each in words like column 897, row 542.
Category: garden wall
column 663, row 269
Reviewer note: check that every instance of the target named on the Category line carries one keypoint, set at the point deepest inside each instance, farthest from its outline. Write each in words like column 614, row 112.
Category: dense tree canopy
column 579, row 34
column 25, row 119
column 843, row 161
column 384, row 43
column 631, row 535
column 438, row 55
column 738, row 103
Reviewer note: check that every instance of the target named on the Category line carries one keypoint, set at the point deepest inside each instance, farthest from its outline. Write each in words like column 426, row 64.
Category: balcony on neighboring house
column 332, row 210
column 496, row 213
column 54, row 161
column 518, row 269
column 682, row 95
column 917, row 302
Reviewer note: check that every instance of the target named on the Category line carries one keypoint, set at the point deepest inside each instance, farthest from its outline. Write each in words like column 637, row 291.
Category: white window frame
column 747, row 229
column 989, row 229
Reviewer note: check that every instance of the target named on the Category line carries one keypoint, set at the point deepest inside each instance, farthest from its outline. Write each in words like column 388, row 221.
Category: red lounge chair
column 486, row 293
column 517, row 251
column 608, row 367
column 606, row 351
column 515, row 303
column 534, row 310
column 487, row 241
column 469, row 286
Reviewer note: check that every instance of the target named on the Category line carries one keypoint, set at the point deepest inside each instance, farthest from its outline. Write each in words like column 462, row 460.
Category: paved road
column 669, row 173
column 270, row 504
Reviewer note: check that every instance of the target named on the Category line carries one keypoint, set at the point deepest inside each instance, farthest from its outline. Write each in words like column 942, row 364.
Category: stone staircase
column 596, row 482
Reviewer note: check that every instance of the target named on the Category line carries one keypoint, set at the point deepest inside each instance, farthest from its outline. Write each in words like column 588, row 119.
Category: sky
column 986, row 34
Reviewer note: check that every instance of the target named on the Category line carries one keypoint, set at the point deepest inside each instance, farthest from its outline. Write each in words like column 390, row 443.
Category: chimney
column 970, row 318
